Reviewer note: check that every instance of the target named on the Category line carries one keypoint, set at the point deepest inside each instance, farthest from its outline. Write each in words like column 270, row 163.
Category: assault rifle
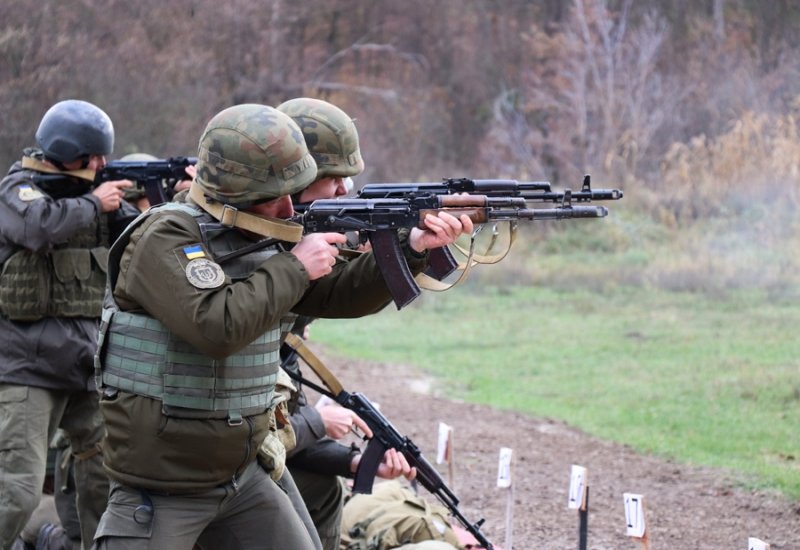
column 378, row 221
column 533, row 191
column 157, row 177
column 384, row 437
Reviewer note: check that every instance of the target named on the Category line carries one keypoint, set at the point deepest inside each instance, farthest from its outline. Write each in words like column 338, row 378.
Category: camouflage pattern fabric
column 330, row 134
column 253, row 153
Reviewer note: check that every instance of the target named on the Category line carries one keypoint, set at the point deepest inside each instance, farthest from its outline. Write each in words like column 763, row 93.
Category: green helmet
column 330, row 135
column 252, row 153
column 72, row 129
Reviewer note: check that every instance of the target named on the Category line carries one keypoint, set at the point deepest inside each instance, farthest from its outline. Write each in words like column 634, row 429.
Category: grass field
column 705, row 380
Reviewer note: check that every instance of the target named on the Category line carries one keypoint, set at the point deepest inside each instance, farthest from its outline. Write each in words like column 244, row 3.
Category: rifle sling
column 327, row 377
column 277, row 229
column 32, row 164
column 429, row 283
column 491, row 258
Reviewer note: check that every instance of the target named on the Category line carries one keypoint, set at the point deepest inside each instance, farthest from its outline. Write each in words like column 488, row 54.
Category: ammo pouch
column 66, row 282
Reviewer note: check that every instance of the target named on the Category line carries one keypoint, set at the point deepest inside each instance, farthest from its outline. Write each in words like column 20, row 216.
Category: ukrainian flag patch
column 193, row 252
column 28, row 193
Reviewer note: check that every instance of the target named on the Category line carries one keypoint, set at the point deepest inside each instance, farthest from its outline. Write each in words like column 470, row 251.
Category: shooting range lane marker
column 635, row 526
column 444, row 452
column 756, row 544
column 579, row 500
column 504, row 482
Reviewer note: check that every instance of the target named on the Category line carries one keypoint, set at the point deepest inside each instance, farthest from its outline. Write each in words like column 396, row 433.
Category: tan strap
column 327, row 377
column 489, row 258
column 97, row 449
column 33, row 164
column 429, row 283
column 273, row 228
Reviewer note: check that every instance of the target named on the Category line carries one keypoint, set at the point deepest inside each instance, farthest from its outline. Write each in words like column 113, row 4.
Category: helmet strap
column 226, row 214
column 30, row 163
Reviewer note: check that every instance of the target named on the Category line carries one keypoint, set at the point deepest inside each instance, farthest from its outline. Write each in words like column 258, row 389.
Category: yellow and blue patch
column 193, row 252
column 28, row 193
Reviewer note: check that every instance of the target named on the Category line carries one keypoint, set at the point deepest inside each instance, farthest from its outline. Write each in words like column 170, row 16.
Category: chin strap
column 273, row 228
column 34, row 164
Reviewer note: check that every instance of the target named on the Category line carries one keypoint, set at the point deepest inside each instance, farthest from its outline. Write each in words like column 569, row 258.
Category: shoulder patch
column 203, row 273
column 28, row 193
column 193, row 252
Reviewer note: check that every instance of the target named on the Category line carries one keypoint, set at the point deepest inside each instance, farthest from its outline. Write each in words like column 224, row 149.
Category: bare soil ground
column 686, row 507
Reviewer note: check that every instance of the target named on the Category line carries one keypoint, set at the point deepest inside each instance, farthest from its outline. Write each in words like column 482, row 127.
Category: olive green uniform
column 179, row 471
column 53, row 245
column 317, row 463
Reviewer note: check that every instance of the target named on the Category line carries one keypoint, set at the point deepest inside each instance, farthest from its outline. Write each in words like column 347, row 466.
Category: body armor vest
column 138, row 354
column 67, row 281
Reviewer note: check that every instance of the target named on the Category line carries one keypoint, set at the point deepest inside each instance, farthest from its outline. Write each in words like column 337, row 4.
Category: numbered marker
column 444, row 447
column 756, row 544
column 577, row 488
column 634, row 515
column 504, row 468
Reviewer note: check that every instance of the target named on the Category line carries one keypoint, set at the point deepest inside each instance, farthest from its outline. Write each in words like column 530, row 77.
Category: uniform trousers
column 324, row 497
column 29, row 417
column 257, row 514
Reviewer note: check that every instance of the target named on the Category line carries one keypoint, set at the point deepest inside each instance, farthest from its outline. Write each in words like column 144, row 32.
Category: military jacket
column 51, row 350
column 217, row 317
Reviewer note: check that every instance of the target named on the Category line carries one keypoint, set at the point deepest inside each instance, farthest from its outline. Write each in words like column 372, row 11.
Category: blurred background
column 689, row 106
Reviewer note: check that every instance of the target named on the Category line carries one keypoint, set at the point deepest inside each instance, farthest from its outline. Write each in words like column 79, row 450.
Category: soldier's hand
column 394, row 465
column 318, row 254
column 340, row 421
column 111, row 194
column 439, row 231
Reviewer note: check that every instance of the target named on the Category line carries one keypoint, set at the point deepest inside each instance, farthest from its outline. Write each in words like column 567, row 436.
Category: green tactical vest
column 138, row 354
column 67, row 281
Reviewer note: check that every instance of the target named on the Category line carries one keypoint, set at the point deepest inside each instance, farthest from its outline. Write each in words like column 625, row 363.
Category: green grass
column 702, row 380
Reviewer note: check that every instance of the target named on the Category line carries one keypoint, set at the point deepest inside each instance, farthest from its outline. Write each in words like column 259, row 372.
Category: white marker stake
column 444, row 451
column 579, row 500
column 504, row 481
column 577, row 488
column 756, row 544
column 634, row 518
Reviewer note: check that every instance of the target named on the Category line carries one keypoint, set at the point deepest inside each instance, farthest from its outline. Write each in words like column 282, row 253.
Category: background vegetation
column 686, row 294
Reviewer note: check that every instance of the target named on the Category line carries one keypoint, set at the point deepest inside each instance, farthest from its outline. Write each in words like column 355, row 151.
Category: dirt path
column 687, row 507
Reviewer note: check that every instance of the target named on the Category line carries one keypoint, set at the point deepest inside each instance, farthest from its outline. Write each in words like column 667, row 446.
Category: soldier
column 55, row 230
column 188, row 359
column 317, row 462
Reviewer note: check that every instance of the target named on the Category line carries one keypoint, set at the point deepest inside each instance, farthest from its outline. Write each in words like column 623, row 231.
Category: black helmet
column 72, row 129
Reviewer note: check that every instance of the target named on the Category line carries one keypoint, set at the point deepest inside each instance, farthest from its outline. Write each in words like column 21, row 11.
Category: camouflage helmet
column 252, row 153
column 72, row 129
column 330, row 135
